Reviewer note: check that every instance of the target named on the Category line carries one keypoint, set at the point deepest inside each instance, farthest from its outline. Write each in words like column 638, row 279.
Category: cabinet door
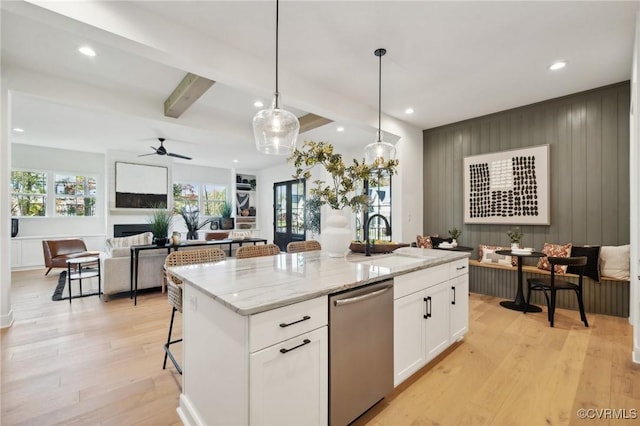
column 290, row 388
column 459, row 307
column 437, row 329
column 408, row 335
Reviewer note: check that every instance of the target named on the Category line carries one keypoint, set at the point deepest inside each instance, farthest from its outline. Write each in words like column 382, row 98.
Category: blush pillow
column 554, row 250
column 614, row 261
column 513, row 261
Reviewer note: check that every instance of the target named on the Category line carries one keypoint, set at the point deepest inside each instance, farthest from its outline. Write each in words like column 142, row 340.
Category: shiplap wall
column 588, row 134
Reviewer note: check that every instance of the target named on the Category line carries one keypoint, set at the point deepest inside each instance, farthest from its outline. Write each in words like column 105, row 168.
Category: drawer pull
column 460, row 267
column 304, row 318
column 304, row 342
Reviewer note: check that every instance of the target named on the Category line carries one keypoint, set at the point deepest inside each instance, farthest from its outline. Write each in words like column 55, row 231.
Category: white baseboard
column 6, row 320
column 635, row 355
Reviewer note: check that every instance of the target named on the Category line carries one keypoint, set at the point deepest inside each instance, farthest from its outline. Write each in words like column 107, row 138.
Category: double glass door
column 289, row 212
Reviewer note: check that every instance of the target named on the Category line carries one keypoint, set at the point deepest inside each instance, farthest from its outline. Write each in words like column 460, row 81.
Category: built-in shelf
column 246, row 202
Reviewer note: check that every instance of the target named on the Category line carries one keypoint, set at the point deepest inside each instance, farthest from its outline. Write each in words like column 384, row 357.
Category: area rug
column 62, row 282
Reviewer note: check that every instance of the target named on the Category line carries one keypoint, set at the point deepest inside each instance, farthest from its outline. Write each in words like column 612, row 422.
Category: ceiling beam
column 185, row 94
column 312, row 121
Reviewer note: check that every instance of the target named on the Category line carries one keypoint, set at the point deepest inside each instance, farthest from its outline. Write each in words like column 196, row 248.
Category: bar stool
column 174, row 287
column 300, row 246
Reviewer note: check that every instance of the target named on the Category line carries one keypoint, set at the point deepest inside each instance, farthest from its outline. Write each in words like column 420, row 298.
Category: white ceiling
column 449, row 61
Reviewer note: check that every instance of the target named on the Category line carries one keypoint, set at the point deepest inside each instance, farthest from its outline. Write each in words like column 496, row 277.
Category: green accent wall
column 588, row 134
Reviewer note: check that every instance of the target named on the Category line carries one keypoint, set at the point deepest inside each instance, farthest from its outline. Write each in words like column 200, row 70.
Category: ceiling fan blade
column 144, row 155
column 178, row 156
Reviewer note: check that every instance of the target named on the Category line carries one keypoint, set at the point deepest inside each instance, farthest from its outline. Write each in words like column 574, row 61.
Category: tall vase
column 336, row 236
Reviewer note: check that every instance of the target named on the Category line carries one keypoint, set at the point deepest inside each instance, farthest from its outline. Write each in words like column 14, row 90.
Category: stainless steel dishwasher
column 360, row 350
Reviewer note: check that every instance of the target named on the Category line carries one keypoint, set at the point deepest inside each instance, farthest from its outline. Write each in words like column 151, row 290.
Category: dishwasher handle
column 356, row 299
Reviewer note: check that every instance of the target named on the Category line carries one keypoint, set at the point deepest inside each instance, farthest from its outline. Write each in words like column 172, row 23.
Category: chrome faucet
column 367, row 244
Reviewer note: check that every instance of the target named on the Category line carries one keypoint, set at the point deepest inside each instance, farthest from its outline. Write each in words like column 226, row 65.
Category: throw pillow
column 614, row 261
column 592, row 268
column 424, row 242
column 554, row 250
column 489, row 256
column 132, row 240
column 481, row 251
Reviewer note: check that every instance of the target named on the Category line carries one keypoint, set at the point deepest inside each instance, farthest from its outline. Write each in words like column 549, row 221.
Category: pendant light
column 276, row 130
column 379, row 151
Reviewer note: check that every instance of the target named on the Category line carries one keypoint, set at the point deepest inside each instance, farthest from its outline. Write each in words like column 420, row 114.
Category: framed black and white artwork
column 508, row 187
column 141, row 186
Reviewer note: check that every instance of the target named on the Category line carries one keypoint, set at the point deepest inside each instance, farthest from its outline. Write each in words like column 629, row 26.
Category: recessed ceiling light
column 557, row 65
column 408, row 111
column 258, row 104
column 235, row 161
column 86, row 50
column 18, row 130
column 340, row 129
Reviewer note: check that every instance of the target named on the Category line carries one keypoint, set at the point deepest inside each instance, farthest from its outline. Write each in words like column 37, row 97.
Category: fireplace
column 133, row 229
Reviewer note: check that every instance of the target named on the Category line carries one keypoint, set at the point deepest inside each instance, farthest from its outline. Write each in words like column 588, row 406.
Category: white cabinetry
column 459, row 299
column 268, row 368
column 426, row 321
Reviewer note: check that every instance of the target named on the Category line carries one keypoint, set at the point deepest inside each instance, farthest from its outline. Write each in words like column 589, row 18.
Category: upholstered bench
column 610, row 296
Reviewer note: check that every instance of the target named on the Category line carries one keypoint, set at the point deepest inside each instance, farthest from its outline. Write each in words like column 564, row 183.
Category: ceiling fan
column 161, row 150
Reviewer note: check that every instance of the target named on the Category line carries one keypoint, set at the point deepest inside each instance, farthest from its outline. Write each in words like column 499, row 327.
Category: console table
column 135, row 252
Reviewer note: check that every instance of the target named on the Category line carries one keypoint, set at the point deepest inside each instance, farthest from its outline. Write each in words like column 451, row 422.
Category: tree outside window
column 75, row 195
column 208, row 199
column 28, row 193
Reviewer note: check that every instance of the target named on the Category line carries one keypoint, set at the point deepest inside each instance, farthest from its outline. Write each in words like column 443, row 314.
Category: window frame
column 201, row 200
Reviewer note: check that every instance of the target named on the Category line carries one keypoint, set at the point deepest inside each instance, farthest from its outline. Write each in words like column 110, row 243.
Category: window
column 379, row 203
column 28, row 193
column 207, row 198
column 75, row 195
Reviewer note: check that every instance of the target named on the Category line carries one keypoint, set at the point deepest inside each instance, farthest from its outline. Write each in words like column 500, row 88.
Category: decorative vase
column 515, row 246
column 175, row 238
column 454, row 242
column 160, row 242
column 336, row 237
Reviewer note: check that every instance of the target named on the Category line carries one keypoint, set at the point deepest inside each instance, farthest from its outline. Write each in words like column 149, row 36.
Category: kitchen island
column 256, row 330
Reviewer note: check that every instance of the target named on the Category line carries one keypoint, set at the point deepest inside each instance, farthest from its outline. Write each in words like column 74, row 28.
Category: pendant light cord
column 277, row 25
column 380, row 99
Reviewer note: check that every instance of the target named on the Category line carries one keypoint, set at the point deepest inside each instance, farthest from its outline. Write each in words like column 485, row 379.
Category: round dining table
column 519, row 304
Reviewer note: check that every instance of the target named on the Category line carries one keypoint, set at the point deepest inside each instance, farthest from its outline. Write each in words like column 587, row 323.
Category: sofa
column 57, row 252
column 116, row 264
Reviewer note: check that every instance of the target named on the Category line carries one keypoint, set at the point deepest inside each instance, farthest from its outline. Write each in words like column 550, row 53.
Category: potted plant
column 515, row 236
column 454, row 234
column 160, row 222
column 192, row 220
column 227, row 221
column 340, row 191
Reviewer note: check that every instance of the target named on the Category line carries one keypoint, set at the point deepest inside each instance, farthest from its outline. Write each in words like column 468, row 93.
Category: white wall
column 634, row 186
column 6, row 314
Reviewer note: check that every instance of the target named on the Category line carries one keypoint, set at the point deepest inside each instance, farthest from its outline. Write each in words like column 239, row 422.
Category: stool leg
column 166, row 346
column 69, row 280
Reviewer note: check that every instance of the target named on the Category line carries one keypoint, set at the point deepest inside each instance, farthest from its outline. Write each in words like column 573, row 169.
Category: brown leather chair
column 57, row 252
column 216, row 236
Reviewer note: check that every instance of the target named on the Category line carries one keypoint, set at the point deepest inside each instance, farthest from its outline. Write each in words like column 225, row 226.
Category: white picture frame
column 508, row 187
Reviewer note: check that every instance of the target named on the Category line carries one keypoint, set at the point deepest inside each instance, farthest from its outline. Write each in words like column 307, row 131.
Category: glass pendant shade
column 377, row 153
column 275, row 130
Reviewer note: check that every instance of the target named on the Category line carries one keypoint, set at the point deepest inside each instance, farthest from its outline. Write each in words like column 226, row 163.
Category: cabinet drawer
column 277, row 325
column 459, row 267
column 419, row 280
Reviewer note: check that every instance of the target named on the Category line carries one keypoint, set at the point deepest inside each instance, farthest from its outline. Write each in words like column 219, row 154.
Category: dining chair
column 550, row 286
column 174, row 286
column 300, row 246
column 245, row 252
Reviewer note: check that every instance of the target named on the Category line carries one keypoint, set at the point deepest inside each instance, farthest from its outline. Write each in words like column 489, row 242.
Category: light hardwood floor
column 101, row 363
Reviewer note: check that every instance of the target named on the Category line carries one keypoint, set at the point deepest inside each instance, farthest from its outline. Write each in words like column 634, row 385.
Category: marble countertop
column 250, row 286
